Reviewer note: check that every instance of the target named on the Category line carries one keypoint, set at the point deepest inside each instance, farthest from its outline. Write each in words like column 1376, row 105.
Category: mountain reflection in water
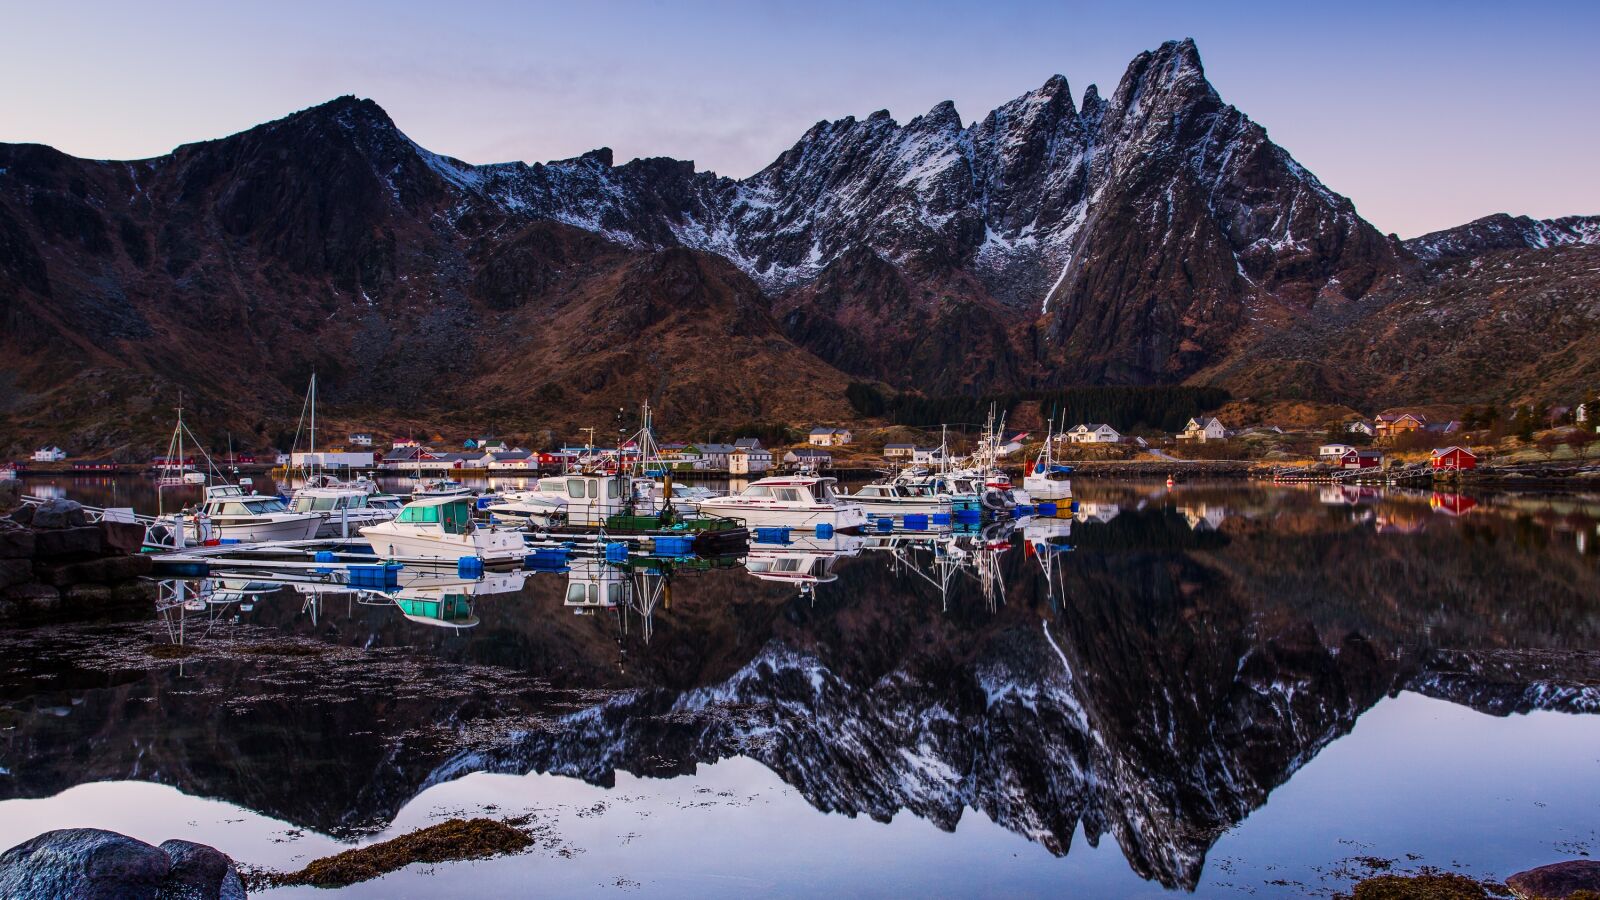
column 1149, row 670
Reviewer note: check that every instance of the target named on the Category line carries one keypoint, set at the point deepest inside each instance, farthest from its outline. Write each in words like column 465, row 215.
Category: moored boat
column 441, row 528
column 792, row 501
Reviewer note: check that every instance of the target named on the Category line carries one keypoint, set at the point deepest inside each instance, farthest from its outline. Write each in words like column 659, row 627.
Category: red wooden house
column 1355, row 458
column 1454, row 459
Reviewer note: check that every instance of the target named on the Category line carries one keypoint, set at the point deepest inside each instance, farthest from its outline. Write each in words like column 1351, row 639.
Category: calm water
column 1223, row 689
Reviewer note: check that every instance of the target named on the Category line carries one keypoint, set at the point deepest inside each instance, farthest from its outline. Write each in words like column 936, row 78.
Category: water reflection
column 1149, row 670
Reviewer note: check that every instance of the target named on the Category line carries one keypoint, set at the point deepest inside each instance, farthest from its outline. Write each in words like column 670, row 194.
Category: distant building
column 1333, row 451
column 829, row 437
column 1202, row 429
column 1454, row 459
column 927, row 454
column 748, row 443
column 512, row 461
column 901, row 451
column 95, row 465
column 715, row 456
column 817, row 459
column 1094, row 433
column 1013, row 442
column 283, row 459
column 1362, row 426
column 332, row 460
column 49, row 454
column 361, row 439
column 749, row 461
column 1389, row 425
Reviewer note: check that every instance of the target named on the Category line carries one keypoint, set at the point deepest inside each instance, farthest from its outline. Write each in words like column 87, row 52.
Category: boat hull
column 302, row 528
column 392, row 539
column 840, row 518
column 1047, row 488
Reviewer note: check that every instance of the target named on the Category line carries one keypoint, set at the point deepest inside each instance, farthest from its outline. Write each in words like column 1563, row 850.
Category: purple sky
column 1427, row 114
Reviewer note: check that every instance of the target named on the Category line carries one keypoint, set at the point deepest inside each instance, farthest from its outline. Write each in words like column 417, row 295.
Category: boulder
column 10, row 494
column 122, row 537
column 62, row 542
column 200, row 872
column 91, row 864
column 32, row 599
column 16, row 542
column 22, row 515
column 82, row 864
column 84, row 598
column 1556, row 881
column 60, row 513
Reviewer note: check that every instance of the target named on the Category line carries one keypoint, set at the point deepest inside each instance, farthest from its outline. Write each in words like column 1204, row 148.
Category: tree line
column 1163, row 407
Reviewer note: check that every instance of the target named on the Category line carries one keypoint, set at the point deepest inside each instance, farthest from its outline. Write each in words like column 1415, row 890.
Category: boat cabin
column 452, row 515
column 591, row 499
column 592, row 584
column 328, row 500
column 230, row 501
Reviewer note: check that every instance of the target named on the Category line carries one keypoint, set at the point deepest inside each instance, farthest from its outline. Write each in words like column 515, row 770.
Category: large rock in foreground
column 91, row 864
column 1558, row 881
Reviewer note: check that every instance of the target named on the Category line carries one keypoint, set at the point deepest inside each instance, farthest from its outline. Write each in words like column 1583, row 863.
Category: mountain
column 1154, row 235
column 1504, row 232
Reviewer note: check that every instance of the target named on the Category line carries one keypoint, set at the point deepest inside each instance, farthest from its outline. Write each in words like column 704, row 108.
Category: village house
column 714, row 455
column 749, row 460
column 1202, row 429
column 512, row 461
column 49, row 454
column 898, row 451
column 282, row 459
column 332, row 459
column 1361, row 426
column 1333, row 451
column 1389, row 425
column 1354, row 458
column 829, row 437
column 1094, row 433
column 927, row 454
column 815, row 459
column 361, row 439
column 1454, row 459
column 1013, row 442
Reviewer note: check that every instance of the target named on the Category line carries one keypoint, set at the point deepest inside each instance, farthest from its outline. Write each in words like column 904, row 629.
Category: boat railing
column 158, row 533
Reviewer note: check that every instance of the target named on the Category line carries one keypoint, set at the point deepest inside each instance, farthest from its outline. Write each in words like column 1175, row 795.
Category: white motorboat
column 804, row 562
column 228, row 513
column 793, row 501
column 896, row 500
column 345, row 510
column 440, row 487
column 441, row 528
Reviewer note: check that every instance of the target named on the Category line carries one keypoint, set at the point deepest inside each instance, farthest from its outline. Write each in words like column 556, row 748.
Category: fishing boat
column 793, row 501
column 1046, row 480
column 441, row 528
column 607, row 503
column 229, row 514
column 445, row 601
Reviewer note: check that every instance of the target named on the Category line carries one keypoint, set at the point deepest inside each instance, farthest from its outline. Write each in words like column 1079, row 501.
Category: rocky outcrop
column 1557, row 881
column 91, row 864
column 1504, row 232
column 55, row 565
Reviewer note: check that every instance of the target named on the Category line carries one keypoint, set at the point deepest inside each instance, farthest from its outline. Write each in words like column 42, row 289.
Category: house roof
column 503, row 455
column 810, row 452
column 899, row 446
column 820, row 430
column 715, row 448
column 1446, row 451
column 748, row 443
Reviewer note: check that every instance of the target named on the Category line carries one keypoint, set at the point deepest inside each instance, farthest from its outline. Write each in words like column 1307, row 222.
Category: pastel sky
column 1427, row 114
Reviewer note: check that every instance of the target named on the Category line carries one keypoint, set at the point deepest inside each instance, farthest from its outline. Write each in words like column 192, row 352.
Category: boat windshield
column 823, row 492
column 452, row 517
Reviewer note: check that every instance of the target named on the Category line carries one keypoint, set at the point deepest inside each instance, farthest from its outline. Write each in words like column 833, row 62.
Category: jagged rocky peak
column 1504, row 232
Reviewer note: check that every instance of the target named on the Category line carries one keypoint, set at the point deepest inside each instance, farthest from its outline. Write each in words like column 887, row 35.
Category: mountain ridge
column 1153, row 236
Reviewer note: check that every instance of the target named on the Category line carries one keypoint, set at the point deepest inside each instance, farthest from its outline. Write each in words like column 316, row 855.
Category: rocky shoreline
column 93, row 864
column 56, row 565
